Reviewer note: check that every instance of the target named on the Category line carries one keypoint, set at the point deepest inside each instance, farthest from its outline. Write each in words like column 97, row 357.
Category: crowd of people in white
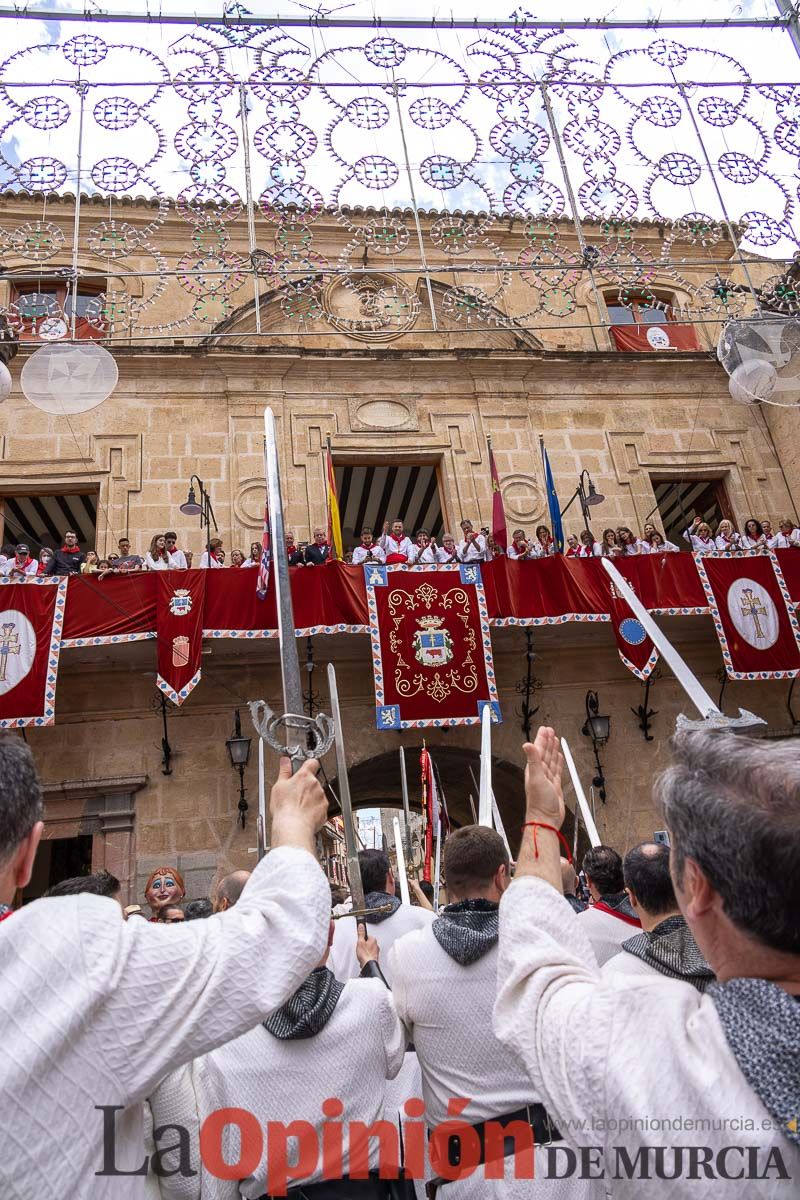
column 644, row 1044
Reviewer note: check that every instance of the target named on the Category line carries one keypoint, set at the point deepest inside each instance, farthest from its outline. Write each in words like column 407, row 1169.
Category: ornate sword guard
column 744, row 723
column 293, row 734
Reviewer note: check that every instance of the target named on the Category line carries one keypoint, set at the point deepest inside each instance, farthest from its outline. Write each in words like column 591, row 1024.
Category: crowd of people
column 635, row 1023
column 395, row 546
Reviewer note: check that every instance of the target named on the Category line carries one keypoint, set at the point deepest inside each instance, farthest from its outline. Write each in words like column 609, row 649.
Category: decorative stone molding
column 387, row 415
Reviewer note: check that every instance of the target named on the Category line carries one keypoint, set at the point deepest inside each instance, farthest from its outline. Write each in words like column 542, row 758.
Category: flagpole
column 406, row 807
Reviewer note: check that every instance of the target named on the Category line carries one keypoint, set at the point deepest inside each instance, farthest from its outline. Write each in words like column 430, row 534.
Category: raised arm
column 166, row 994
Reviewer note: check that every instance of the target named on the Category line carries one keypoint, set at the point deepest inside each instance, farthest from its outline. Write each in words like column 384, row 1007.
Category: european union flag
column 552, row 503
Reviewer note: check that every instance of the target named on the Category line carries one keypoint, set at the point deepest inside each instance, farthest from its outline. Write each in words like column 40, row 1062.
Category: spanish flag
column 334, row 520
column 499, row 529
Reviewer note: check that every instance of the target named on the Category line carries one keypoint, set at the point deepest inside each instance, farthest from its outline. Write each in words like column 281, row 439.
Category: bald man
column 569, row 884
column 230, row 889
column 665, row 945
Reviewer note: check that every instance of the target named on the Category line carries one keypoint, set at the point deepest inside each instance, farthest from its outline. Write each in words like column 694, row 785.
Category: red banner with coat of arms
column 180, row 605
column 31, row 619
column 431, row 647
column 754, row 617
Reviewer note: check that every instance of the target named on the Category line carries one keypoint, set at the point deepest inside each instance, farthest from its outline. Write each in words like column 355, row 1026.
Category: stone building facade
column 388, row 393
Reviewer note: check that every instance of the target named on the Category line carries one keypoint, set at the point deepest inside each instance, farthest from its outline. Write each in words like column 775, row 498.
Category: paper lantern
column 69, row 377
column 753, row 381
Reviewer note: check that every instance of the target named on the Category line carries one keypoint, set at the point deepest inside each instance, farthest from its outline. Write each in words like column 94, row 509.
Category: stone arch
column 375, row 783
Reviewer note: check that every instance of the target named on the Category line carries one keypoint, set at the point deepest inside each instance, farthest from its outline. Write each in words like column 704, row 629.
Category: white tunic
column 699, row 544
column 361, row 553
column 624, row 963
column 350, row 1059
column 473, row 550
column 606, row 933
column 97, row 1009
column 605, row 1051
column 343, row 961
column 447, row 1011
column 786, row 541
column 389, row 545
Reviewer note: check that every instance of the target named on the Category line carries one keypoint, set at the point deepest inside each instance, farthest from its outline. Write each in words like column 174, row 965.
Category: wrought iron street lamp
column 239, row 752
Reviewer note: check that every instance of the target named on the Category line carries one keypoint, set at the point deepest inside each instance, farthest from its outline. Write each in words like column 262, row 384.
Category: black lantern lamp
column 239, row 752
column 588, row 496
column 597, row 726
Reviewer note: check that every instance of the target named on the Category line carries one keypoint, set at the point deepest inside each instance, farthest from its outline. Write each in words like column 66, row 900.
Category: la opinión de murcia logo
column 298, row 1149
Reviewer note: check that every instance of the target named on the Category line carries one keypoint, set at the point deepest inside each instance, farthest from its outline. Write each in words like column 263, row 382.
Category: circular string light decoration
column 66, row 378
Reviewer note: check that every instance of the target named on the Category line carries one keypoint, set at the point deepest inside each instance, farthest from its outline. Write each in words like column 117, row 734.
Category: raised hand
column 544, row 797
column 297, row 806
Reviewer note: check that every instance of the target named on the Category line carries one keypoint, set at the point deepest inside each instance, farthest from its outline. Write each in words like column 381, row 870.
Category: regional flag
column 262, row 579
column 499, row 530
column 552, row 501
column 334, row 521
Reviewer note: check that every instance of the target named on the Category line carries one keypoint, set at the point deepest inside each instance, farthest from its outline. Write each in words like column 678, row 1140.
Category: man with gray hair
column 96, row 1010
column 684, row 1086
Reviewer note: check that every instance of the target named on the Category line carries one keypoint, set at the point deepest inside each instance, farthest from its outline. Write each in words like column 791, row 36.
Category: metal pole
column 353, row 869
column 248, row 190
column 82, row 90
column 573, row 201
column 422, row 256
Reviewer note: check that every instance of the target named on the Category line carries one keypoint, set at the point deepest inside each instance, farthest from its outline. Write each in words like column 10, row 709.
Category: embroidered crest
column 181, row 603
column 432, row 645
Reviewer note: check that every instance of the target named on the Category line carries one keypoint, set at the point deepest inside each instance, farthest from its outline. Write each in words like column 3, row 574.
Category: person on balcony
column 610, row 547
column 787, row 537
column 369, row 551
column 21, row 565
column 396, row 546
column 214, row 556
column 588, row 548
column 319, row 552
column 726, row 538
column 753, row 537
column 699, row 537
column 177, row 557
column 656, row 544
column 157, row 557
column 69, row 559
column 473, row 547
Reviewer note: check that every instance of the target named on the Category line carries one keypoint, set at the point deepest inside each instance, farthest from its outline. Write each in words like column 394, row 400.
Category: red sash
column 601, row 906
column 396, row 558
column 4, row 915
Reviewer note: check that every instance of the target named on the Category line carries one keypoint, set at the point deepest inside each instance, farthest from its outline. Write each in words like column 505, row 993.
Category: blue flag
column 552, row 503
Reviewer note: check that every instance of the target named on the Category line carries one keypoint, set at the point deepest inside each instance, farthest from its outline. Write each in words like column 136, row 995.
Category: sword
column 293, row 733
column 485, row 790
column 351, row 847
column 582, row 805
column 709, row 712
column 402, row 875
column 406, row 809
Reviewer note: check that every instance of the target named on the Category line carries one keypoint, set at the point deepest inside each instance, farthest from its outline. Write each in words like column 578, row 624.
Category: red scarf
column 5, row 915
column 290, row 550
column 601, row 906
column 40, row 570
column 24, row 566
column 70, row 549
column 573, row 552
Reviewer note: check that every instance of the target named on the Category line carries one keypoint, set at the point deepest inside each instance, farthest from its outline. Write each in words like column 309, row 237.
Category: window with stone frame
column 41, row 309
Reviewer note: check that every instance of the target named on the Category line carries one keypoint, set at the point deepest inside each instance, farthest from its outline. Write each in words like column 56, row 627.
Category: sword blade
column 402, row 875
column 580, row 796
column 350, row 841
column 485, row 791
column 290, row 665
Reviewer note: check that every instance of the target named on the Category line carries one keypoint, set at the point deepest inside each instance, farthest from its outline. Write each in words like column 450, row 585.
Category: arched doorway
column 375, row 783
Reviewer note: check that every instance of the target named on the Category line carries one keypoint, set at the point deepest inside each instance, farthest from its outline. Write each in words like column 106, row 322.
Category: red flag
column 753, row 617
column 429, row 806
column 31, row 619
column 499, row 531
column 262, row 579
column 180, row 609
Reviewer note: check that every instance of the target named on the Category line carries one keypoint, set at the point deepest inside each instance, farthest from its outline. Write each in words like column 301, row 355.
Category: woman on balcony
column 157, row 557
column 610, row 547
column 699, row 537
column 727, row 539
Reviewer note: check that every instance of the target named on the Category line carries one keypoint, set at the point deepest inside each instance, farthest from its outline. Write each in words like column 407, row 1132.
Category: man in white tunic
column 610, row 919
column 330, row 1042
column 665, row 945
column 97, row 1009
column 386, row 927
column 444, row 985
column 607, row 1053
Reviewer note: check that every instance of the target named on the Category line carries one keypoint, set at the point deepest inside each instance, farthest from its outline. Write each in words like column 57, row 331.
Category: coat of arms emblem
column 181, row 603
column 431, row 644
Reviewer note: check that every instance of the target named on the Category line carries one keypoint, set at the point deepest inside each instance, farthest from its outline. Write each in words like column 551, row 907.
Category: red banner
column 753, row 614
column 431, row 647
column 31, row 618
column 635, row 648
column 655, row 338
column 180, row 605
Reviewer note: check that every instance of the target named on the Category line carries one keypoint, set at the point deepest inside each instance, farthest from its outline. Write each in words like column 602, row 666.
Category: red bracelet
column 534, row 825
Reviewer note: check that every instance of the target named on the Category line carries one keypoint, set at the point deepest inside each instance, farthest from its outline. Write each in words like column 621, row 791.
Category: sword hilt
column 295, row 735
